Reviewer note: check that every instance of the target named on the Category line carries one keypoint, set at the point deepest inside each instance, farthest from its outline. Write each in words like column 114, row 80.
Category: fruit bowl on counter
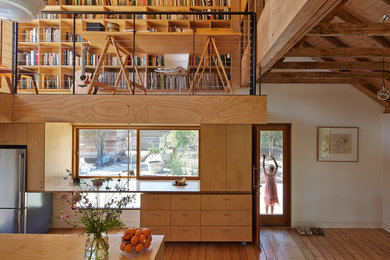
column 182, row 182
column 136, row 242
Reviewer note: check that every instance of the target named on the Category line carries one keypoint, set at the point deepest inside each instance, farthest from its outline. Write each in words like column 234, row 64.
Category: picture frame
column 337, row 144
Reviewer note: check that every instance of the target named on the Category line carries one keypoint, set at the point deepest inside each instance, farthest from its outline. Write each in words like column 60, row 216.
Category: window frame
column 75, row 148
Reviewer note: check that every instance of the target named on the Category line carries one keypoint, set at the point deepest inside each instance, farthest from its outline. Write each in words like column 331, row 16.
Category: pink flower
column 67, row 216
column 75, row 192
column 62, row 217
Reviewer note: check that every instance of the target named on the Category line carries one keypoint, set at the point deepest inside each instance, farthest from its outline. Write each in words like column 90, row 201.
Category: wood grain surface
column 141, row 109
column 6, row 107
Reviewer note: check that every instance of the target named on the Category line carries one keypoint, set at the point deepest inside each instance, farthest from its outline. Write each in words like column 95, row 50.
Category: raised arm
column 264, row 155
column 276, row 165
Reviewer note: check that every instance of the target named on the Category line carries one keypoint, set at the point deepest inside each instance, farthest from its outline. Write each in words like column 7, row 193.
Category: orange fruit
column 139, row 247
column 134, row 240
column 123, row 246
column 147, row 232
column 147, row 242
column 138, row 232
column 126, row 236
column 128, row 248
column 142, row 238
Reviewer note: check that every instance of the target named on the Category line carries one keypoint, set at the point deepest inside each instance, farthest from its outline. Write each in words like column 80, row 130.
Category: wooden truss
column 211, row 50
column 95, row 86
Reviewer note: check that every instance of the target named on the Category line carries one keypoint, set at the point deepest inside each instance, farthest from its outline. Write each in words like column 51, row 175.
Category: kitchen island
column 64, row 247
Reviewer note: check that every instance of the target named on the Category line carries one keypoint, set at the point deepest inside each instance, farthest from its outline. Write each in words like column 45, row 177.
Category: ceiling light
column 383, row 93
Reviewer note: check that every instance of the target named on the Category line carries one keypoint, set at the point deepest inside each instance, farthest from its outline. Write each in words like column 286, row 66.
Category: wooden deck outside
column 285, row 243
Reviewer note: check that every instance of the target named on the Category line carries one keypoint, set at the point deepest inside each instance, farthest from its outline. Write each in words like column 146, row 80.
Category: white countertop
column 58, row 184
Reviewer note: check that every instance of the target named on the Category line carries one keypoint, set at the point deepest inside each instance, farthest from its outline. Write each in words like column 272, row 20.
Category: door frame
column 274, row 220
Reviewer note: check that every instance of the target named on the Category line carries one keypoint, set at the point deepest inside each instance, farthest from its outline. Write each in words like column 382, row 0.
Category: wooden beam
column 342, row 29
column 329, row 17
column 325, row 75
column 387, row 2
column 6, row 108
column 141, row 109
column 294, row 19
column 338, row 52
column 330, row 65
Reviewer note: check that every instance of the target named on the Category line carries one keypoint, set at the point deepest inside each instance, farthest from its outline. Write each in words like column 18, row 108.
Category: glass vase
column 96, row 247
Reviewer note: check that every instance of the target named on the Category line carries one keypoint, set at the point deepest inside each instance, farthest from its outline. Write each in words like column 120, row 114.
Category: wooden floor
column 285, row 243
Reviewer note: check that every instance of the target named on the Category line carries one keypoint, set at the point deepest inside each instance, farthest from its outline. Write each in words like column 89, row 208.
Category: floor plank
column 283, row 243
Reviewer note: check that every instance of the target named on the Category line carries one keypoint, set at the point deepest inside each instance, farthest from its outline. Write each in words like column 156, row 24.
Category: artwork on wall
column 337, row 144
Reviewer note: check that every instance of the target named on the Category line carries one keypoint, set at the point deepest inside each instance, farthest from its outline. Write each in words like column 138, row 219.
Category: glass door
column 272, row 170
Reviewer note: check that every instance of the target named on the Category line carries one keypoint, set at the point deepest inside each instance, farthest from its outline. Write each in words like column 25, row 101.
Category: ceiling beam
column 325, row 75
column 329, row 17
column 386, row 1
column 343, row 29
column 338, row 52
column 295, row 19
column 330, row 66
column 309, row 81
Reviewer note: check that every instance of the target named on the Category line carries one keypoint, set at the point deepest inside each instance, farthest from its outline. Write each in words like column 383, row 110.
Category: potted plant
column 155, row 165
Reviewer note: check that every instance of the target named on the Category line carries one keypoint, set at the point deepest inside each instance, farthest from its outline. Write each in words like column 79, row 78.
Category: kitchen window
column 149, row 153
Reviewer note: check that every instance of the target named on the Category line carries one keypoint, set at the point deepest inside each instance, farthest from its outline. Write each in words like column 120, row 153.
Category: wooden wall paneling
column 239, row 158
column 6, row 108
column 277, row 36
column 6, row 51
column 213, row 157
column 13, row 134
column 58, row 151
column 35, row 157
column 141, row 109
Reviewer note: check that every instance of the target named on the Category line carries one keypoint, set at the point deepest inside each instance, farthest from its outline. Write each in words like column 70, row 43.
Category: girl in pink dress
column 271, row 192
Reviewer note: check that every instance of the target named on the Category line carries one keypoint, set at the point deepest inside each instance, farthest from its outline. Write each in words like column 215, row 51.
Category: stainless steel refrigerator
column 20, row 212
column 12, row 189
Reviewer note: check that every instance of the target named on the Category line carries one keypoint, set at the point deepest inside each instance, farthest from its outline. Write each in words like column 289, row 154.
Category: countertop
column 58, row 184
column 69, row 246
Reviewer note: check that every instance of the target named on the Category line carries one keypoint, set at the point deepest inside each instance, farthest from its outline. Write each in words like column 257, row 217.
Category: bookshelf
column 45, row 45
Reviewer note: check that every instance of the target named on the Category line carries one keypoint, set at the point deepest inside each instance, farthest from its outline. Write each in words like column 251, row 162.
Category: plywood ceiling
column 345, row 47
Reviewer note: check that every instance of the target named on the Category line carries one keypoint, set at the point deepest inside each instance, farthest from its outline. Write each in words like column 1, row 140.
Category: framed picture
column 337, row 144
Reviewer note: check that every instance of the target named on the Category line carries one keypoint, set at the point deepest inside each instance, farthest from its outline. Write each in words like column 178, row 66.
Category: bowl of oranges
column 136, row 242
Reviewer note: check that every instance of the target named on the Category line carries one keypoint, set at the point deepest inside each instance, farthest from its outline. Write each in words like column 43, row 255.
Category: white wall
column 331, row 194
column 386, row 171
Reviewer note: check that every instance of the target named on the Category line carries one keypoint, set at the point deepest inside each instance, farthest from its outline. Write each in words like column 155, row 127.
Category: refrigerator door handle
column 19, row 222
column 21, row 180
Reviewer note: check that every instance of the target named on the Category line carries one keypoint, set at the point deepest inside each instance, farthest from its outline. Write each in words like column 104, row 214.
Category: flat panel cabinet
column 239, row 158
column 226, row 158
column 35, row 157
column 205, row 217
column 32, row 135
column 213, row 157
column 13, row 134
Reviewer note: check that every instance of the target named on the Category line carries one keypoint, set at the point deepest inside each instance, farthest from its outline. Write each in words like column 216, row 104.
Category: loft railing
column 48, row 53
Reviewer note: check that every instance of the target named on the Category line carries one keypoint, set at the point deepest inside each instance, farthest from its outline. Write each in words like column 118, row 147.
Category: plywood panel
column 13, row 134
column 6, row 108
column 185, row 202
column 239, row 158
column 155, row 201
column 141, row 109
column 213, row 157
column 35, row 157
column 58, row 150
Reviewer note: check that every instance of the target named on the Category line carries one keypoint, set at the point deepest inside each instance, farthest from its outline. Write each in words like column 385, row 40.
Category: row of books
column 208, row 61
column 30, row 35
column 26, row 83
column 48, row 16
column 51, row 82
column 110, row 78
column 156, row 61
column 51, row 59
column 52, row 2
column 157, row 80
column 28, row 58
column 221, row 16
column 68, row 58
column 69, row 37
column 52, row 34
column 84, row 2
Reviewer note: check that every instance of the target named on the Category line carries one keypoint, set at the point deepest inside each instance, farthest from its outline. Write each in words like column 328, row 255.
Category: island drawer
column 185, row 233
column 182, row 218
column 155, row 201
column 226, row 233
column 185, row 202
column 228, row 218
column 226, row 202
column 155, row 217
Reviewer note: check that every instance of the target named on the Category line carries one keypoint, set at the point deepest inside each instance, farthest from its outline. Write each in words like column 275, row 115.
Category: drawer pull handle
column 226, row 230
column 226, row 199
column 226, row 215
column 186, row 230
column 185, row 199
column 186, row 215
column 155, row 214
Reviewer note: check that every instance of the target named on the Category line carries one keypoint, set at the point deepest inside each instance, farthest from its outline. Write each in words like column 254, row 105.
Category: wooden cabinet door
column 35, row 157
column 13, row 134
column 239, row 158
column 213, row 157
